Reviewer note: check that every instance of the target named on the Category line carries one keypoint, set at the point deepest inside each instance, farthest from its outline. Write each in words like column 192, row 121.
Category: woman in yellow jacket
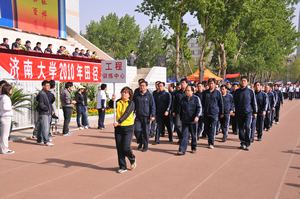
column 124, row 129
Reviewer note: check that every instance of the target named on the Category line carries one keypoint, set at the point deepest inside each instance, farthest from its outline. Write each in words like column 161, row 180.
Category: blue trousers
column 210, row 127
column 187, row 131
column 225, row 125
column 244, row 125
column 81, row 113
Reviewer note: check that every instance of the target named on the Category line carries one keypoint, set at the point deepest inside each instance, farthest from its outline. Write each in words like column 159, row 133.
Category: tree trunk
column 223, row 60
column 177, row 63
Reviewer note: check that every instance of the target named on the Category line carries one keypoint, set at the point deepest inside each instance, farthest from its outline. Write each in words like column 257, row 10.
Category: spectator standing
column 80, row 108
column 67, row 105
column 6, row 113
column 101, row 105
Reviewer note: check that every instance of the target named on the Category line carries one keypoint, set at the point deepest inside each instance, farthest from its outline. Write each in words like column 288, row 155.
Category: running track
column 84, row 165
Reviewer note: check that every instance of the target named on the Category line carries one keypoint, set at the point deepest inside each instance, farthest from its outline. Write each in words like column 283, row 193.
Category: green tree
column 116, row 36
column 170, row 13
column 152, row 44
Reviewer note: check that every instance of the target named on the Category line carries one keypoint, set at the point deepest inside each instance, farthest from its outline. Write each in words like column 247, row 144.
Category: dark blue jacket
column 178, row 96
column 245, row 101
column 228, row 103
column 279, row 97
column 200, row 95
column 189, row 109
column 262, row 101
column 212, row 103
column 272, row 100
column 163, row 102
column 144, row 105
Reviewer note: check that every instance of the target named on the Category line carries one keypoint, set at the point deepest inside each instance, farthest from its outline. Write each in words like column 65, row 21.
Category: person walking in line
column 213, row 110
column 6, row 114
column 67, row 105
column 190, row 111
column 101, row 105
column 279, row 103
column 81, row 109
column 45, row 110
column 163, row 102
column 124, row 129
column 228, row 110
column 200, row 126
column 271, row 107
column 262, row 107
column 178, row 96
column 145, row 113
column 245, row 108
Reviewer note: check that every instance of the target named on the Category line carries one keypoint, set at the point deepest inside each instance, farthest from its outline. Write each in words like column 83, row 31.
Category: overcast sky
column 94, row 9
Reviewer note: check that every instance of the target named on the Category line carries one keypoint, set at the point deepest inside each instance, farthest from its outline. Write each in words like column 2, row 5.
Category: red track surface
column 84, row 165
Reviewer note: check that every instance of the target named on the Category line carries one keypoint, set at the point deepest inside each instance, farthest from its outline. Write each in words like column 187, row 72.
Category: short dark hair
column 103, row 86
column 28, row 42
column 129, row 90
column 5, row 39
column 163, row 83
column 5, row 89
column 45, row 82
column 184, row 80
column 68, row 84
column 256, row 83
column 223, row 86
column 52, row 84
column 211, row 80
column 76, row 48
column 2, row 82
column 49, row 45
column 199, row 83
column 141, row 82
column 244, row 77
column 38, row 43
column 192, row 88
column 18, row 39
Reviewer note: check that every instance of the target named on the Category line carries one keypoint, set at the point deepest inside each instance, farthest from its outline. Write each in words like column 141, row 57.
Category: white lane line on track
column 229, row 160
column 132, row 178
column 53, row 179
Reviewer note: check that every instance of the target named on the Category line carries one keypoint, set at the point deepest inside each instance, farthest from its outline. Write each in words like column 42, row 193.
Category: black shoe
column 246, row 148
column 171, row 141
column 259, row 139
column 194, row 150
column 224, row 139
column 145, row 150
column 180, row 153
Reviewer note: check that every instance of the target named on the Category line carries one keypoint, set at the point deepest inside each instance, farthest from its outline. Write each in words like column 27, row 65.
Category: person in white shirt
column 101, row 105
column 291, row 92
column 6, row 113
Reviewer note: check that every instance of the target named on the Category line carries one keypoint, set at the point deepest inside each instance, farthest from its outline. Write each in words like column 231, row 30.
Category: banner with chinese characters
column 38, row 16
column 114, row 71
column 22, row 67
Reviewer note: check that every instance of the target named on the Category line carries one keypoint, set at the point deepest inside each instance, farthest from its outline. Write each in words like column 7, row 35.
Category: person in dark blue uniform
column 262, row 107
column 178, row 96
column 200, row 126
column 153, row 125
column 228, row 110
column 245, row 108
column 145, row 113
column 271, row 107
column 213, row 109
column 233, row 118
column 163, row 101
column 279, row 102
column 189, row 111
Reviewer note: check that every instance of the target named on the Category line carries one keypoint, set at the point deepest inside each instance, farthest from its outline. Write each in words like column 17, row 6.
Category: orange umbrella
column 207, row 74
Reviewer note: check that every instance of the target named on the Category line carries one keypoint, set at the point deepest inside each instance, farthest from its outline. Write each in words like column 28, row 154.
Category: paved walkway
column 84, row 165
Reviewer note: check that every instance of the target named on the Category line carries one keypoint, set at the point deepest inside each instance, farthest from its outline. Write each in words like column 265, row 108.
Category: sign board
column 113, row 71
column 22, row 67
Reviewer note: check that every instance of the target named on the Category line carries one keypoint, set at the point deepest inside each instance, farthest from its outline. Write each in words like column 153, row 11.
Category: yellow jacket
column 120, row 110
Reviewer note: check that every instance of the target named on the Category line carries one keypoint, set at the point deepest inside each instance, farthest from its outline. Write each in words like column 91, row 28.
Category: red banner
column 22, row 67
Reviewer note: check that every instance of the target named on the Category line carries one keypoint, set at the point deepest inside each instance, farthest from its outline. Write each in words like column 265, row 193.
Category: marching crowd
column 193, row 111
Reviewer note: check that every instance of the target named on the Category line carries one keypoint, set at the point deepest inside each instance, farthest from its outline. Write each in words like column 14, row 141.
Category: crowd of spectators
column 17, row 45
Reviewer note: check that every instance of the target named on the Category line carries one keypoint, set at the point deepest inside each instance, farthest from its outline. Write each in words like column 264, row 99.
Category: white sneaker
column 67, row 134
column 86, row 127
column 211, row 146
column 9, row 152
column 122, row 170
column 81, row 128
column 49, row 144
